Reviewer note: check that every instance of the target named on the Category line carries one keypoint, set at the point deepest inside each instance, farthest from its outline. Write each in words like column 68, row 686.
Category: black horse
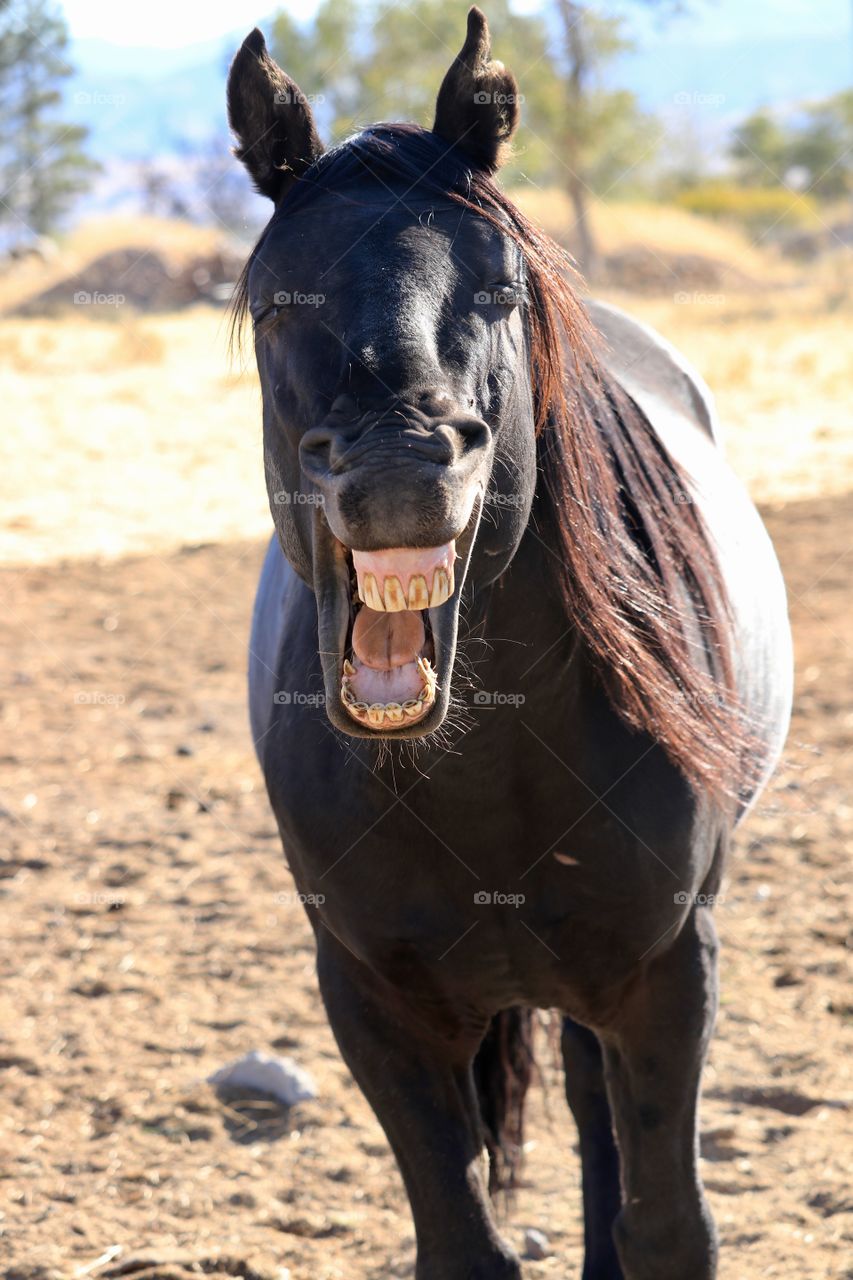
column 457, row 451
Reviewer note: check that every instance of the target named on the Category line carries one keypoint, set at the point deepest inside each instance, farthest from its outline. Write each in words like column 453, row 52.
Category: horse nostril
column 345, row 404
column 314, row 448
column 442, row 444
column 474, row 432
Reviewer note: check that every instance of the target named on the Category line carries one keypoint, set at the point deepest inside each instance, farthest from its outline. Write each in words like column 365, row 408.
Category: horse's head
column 388, row 305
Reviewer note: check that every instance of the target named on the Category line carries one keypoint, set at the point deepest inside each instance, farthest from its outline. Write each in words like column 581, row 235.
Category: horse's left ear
column 271, row 118
column 477, row 105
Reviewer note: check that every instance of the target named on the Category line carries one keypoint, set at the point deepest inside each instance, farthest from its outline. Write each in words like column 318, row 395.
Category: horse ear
column 271, row 119
column 477, row 105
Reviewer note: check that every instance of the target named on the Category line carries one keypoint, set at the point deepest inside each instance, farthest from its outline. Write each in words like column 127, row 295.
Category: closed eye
column 265, row 314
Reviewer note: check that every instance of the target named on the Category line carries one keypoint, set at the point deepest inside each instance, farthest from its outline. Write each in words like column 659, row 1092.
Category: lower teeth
column 376, row 713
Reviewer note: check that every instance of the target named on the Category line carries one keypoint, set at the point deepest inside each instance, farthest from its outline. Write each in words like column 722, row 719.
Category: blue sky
column 166, row 24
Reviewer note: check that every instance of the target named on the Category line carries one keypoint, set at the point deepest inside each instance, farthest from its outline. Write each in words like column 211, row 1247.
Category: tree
column 322, row 58
column 42, row 162
column 823, row 147
column 361, row 65
column 813, row 152
column 759, row 149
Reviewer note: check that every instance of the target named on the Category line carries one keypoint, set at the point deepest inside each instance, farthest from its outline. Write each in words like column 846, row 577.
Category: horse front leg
column 654, row 1056
column 423, row 1096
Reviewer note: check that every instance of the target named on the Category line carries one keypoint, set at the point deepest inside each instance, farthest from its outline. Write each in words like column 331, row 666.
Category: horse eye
column 269, row 310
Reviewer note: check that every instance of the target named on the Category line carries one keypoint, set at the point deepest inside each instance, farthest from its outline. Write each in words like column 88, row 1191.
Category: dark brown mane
column 640, row 577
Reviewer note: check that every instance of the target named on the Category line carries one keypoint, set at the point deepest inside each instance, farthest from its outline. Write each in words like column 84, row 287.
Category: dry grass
column 127, row 433
column 166, row 235
column 781, row 370
column 175, row 240
column 661, row 228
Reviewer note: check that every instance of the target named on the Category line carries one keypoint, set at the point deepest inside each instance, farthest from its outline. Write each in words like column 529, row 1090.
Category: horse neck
column 523, row 617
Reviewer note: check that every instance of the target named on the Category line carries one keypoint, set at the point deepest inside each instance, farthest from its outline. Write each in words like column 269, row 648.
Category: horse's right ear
column 271, row 119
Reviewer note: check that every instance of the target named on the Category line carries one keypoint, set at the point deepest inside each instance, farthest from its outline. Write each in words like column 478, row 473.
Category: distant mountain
column 141, row 103
column 147, row 104
column 734, row 77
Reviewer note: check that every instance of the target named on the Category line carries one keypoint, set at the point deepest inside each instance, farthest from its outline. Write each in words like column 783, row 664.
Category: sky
column 165, row 24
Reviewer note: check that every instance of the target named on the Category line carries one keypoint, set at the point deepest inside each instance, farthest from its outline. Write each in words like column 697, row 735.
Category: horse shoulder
column 268, row 617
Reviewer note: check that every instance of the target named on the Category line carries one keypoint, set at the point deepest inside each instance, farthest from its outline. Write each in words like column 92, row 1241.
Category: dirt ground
column 152, row 934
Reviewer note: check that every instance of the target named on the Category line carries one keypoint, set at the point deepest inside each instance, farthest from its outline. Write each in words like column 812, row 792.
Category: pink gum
column 404, row 563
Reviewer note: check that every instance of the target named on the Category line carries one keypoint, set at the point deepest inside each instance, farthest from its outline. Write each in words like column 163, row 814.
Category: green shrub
column 756, row 208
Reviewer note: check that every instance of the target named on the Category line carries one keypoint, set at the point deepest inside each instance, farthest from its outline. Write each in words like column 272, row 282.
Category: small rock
column 92, row 988
column 184, row 750
column 243, row 1200
column 281, row 1078
column 789, row 978
column 536, row 1245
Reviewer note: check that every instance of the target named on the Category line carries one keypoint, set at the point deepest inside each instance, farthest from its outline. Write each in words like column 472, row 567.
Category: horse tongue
column 386, row 640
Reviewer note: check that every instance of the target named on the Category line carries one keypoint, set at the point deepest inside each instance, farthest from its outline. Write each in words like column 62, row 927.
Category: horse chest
column 480, row 896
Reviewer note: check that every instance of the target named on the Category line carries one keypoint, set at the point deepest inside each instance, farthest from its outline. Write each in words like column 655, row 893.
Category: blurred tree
column 42, row 162
column 812, row 153
column 413, row 46
column 323, row 58
column 823, row 147
column 759, row 149
column 372, row 64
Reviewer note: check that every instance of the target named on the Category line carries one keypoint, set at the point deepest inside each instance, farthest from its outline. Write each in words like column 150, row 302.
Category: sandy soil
column 151, row 934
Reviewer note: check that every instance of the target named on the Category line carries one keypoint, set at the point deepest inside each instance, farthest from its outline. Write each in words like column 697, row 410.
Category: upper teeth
column 391, row 598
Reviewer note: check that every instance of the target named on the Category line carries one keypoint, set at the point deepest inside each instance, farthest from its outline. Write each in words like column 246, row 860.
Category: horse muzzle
column 401, row 479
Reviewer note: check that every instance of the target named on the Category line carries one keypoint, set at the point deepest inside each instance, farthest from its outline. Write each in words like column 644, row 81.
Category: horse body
column 533, row 847
column 535, row 755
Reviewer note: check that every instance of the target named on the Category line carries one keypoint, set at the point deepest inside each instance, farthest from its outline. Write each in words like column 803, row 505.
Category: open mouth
column 389, row 679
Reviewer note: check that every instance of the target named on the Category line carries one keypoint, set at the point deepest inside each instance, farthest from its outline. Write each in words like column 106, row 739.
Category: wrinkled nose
column 399, row 474
column 434, row 431
column 327, row 451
